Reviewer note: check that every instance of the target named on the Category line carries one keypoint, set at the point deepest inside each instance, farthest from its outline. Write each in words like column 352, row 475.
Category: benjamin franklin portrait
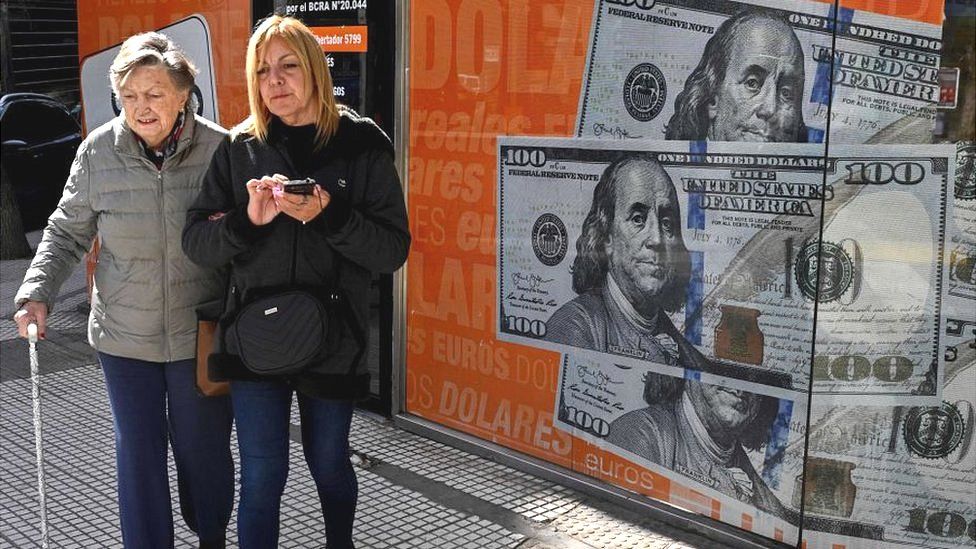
column 748, row 85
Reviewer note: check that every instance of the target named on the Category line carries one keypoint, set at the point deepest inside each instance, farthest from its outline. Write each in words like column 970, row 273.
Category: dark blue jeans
column 153, row 402
column 262, row 411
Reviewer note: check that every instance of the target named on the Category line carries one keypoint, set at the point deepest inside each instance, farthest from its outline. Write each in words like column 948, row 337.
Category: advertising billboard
column 793, row 358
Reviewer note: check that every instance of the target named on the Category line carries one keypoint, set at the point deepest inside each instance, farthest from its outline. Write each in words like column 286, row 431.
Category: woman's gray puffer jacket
column 146, row 290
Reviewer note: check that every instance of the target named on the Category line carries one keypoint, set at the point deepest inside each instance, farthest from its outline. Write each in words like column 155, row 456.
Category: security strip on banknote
column 708, row 257
column 757, row 70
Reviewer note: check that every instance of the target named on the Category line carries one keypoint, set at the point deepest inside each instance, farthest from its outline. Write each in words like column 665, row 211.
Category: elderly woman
column 131, row 183
column 351, row 223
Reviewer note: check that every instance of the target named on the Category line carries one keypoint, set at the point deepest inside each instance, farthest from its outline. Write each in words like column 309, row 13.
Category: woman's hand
column 304, row 207
column 261, row 204
column 31, row 311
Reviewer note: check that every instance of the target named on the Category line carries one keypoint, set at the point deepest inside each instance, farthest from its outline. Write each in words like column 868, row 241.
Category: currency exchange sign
column 757, row 71
column 714, row 260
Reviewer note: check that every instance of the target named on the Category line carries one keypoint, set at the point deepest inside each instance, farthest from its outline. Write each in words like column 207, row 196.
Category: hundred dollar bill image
column 895, row 476
column 880, row 274
column 961, row 233
column 757, row 71
column 958, row 313
column 728, row 442
column 712, row 260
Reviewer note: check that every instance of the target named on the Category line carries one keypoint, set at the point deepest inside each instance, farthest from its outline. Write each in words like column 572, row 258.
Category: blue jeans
column 153, row 402
column 262, row 411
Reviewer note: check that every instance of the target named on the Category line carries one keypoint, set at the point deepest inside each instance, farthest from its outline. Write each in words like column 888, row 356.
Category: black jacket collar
column 354, row 134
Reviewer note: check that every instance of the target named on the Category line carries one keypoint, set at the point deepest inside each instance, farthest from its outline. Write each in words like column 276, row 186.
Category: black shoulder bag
column 281, row 332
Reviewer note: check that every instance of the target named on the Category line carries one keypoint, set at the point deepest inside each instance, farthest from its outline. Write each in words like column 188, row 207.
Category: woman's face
column 151, row 103
column 284, row 89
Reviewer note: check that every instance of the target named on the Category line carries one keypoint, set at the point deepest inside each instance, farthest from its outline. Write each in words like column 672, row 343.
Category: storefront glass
column 716, row 253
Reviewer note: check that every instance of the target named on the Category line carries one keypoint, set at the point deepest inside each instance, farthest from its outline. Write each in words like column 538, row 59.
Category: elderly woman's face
column 284, row 89
column 151, row 103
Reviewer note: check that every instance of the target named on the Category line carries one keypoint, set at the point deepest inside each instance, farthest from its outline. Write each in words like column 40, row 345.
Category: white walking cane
column 38, row 444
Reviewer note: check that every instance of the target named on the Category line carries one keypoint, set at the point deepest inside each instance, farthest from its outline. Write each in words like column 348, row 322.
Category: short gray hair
column 152, row 49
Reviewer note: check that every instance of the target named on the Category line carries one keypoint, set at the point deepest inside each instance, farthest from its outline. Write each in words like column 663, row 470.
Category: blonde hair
column 152, row 49
column 300, row 40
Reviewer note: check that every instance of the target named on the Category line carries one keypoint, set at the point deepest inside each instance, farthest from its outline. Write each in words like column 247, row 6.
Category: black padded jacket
column 362, row 231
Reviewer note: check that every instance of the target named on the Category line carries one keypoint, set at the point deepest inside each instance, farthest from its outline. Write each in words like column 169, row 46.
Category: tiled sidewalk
column 413, row 492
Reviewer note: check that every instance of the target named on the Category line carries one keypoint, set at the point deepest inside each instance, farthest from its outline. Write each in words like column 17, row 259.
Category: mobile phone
column 299, row 186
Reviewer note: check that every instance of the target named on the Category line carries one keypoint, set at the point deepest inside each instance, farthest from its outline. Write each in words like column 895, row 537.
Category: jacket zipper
column 162, row 218
column 295, row 235
column 166, row 305
column 294, row 254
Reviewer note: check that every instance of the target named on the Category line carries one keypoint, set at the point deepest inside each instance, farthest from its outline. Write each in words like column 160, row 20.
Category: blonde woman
column 131, row 182
column 352, row 223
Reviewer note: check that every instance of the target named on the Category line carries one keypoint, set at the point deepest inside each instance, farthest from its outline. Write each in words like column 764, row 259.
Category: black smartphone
column 299, row 186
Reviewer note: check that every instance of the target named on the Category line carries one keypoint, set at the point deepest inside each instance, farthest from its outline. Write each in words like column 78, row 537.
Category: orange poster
column 352, row 38
column 925, row 11
column 480, row 69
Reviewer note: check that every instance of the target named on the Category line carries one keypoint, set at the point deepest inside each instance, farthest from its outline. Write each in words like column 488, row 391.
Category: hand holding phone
column 262, row 206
